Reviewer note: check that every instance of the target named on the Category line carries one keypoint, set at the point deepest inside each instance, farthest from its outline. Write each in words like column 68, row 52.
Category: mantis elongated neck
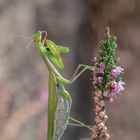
column 50, row 66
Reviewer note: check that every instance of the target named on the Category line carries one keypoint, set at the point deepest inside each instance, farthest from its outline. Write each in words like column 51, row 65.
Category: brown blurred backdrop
column 80, row 25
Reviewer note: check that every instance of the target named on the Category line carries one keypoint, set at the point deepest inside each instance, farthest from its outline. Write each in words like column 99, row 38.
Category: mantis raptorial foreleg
column 78, row 73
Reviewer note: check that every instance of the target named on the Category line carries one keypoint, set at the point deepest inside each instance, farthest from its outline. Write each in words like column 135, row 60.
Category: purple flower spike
column 117, row 71
column 107, row 84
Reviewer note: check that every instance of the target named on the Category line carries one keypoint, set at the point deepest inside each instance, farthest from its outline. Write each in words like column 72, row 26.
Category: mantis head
column 54, row 53
column 37, row 36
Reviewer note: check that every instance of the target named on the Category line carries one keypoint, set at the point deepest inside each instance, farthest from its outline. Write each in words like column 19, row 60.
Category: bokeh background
column 80, row 25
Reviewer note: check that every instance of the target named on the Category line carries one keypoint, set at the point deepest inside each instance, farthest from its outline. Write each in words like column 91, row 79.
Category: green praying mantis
column 59, row 101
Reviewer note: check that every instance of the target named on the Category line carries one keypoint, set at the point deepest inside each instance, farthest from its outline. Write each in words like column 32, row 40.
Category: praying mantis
column 59, row 100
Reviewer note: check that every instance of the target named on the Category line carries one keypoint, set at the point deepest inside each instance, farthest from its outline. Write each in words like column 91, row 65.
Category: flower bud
column 110, row 99
column 96, row 99
column 105, row 128
column 98, row 108
column 98, row 120
column 105, row 94
column 98, row 93
column 102, row 103
column 105, row 117
column 102, row 114
column 107, row 136
column 101, row 125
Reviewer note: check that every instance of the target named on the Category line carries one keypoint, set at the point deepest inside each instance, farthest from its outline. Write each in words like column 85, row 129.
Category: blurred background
column 80, row 25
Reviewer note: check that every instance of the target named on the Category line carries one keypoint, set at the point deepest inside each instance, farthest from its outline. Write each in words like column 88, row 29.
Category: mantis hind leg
column 77, row 123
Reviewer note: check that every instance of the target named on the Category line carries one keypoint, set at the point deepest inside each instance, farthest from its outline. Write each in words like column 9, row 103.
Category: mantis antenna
column 28, row 45
column 20, row 36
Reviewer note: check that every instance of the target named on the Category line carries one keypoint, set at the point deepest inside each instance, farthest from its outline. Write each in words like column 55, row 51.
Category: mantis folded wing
column 59, row 102
column 62, row 112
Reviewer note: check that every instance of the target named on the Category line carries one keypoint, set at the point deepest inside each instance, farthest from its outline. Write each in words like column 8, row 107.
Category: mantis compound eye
column 47, row 49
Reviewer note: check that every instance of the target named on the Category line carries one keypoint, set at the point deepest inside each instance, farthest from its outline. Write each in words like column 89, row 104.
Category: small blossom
column 98, row 108
column 94, row 59
column 98, row 120
column 120, row 86
column 101, row 125
column 105, row 94
column 96, row 98
column 100, row 79
column 102, row 65
column 95, row 79
column 113, row 84
column 100, row 70
column 96, row 64
column 98, row 93
column 102, row 114
column 107, row 136
column 117, row 71
column 98, row 117
column 105, row 128
column 117, row 87
column 102, row 103
column 110, row 99
column 106, row 117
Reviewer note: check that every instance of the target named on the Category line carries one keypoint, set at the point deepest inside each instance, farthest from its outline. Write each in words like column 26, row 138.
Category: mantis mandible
column 58, row 95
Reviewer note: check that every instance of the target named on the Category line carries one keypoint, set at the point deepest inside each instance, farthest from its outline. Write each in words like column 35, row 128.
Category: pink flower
column 94, row 59
column 107, row 136
column 117, row 71
column 117, row 87
column 113, row 84
column 102, row 114
column 102, row 103
column 110, row 99
column 102, row 65
column 98, row 108
column 101, row 125
column 100, row 70
column 98, row 120
column 96, row 99
column 98, row 93
column 105, row 117
column 100, row 79
column 105, row 93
